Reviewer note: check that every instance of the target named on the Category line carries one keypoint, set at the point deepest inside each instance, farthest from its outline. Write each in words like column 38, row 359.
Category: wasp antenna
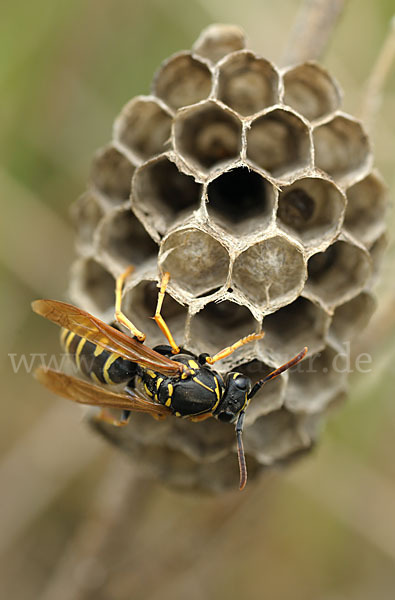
column 240, row 451
column 291, row 363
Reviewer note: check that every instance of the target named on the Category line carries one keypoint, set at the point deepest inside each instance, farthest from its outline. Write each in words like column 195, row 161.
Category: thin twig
column 376, row 81
column 312, row 30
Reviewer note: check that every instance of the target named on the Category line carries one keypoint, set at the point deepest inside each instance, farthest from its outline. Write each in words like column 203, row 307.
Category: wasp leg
column 119, row 316
column 158, row 317
column 227, row 351
column 106, row 417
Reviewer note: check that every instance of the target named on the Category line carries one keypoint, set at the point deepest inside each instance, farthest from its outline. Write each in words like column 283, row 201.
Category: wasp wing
column 84, row 392
column 86, row 325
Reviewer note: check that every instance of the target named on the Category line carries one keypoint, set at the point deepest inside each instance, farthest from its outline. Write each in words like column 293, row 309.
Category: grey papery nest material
column 256, row 192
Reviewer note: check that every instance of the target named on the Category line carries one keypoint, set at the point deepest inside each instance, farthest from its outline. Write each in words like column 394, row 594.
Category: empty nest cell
column 111, row 174
column 93, row 286
column 279, row 142
column 366, row 206
column 338, row 273
column 219, row 325
column 241, row 200
column 270, row 273
column 139, row 305
column 312, row 208
column 289, row 329
column 207, row 444
column 196, row 261
column 207, row 135
column 87, row 213
column 218, row 40
column 270, row 396
column 352, row 317
column 123, row 241
column 182, row 80
column 165, row 459
column 143, row 128
column 311, row 91
column 341, row 147
column 246, row 83
column 274, row 436
column 162, row 194
column 316, row 381
column 377, row 251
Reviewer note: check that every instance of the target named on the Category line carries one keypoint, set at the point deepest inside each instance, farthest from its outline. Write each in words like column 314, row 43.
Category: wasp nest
column 251, row 187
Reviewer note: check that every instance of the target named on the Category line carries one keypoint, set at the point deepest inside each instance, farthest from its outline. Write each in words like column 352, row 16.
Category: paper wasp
column 162, row 381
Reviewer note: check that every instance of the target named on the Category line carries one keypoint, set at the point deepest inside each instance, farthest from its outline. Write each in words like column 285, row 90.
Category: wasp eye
column 242, row 382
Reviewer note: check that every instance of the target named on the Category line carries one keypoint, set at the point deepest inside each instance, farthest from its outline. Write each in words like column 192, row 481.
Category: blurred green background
column 324, row 529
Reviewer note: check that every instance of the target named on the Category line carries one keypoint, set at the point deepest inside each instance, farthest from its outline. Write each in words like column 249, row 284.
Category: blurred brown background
column 324, row 529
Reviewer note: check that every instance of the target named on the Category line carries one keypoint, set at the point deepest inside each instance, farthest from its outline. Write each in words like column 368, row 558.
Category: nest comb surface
column 256, row 192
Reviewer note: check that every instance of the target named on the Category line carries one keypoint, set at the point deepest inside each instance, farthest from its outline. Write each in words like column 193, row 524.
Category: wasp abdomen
column 93, row 361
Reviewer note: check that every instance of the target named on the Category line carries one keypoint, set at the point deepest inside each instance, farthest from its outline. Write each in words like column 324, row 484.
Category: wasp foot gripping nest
column 251, row 187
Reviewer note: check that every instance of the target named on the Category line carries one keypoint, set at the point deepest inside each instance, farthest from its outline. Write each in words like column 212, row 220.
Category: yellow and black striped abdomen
column 95, row 362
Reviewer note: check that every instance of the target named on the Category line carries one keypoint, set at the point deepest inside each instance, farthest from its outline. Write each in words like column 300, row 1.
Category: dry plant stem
column 361, row 499
column 375, row 84
column 312, row 30
column 38, row 468
column 47, row 228
column 175, row 546
column 80, row 569
column 225, row 542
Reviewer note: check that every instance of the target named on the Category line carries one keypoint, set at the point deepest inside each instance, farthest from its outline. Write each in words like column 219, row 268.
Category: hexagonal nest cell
column 312, row 208
column 289, row 329
column 351, row 318
column 241, row 200
column 367, row 202
column 196, row 261
column 162, row 195
column 139, row 305
column 93, row 286
column 270, row 273
column 341, row 147
column 339, row 273
column 182, row 80
column 111, row 174
column 207, row 135
column 123, row 241
column 316, row 381
column 279, row 143
column 377, row 250
column 143, row 128
column 311, row 91
column 216, row 41
column 87, row 212
column 219, row 325
column 270, row 396
column 274, row 436
column 210, row 446
column 247, row 84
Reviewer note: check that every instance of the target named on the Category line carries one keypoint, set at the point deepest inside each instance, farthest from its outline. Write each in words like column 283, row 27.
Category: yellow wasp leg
column 119, row 315
column 227, row 351
column 158, row 317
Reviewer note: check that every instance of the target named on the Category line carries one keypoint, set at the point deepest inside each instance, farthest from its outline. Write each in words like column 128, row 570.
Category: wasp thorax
column 251, row 186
